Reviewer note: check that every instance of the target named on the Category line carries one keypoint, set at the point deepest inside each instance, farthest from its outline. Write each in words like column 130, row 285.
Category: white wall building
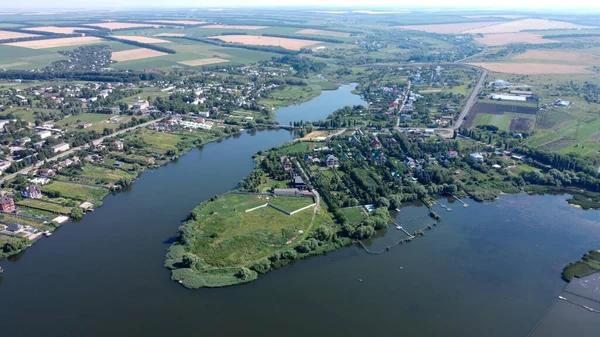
column 44, row 134
column 60, row 147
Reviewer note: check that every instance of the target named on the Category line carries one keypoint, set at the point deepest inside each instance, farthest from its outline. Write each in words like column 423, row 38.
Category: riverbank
column 588, row 265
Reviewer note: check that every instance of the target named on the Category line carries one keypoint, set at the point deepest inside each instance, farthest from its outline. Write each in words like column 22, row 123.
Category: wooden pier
column 462, row 202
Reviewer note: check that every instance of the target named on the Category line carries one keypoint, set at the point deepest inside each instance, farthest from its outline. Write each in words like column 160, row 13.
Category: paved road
column 403, row 102
column 68, row 152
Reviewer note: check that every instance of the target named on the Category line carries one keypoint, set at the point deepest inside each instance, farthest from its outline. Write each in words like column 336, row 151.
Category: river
column 490, row 269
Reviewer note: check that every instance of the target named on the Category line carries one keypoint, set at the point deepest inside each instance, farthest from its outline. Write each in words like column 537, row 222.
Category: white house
column 141, row 105
column 204, row 114
column 44, row 134
column 60, row 147
column 476, row 157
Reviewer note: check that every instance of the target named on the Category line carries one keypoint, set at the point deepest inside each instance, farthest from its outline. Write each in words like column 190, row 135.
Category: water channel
column 491, row 269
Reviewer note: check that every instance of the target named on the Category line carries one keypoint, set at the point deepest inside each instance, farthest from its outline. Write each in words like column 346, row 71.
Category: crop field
column 58, row 30
column 500, row 115
column 294, row 44
column 121, row 25
column 323, row 33
column 179, row 22
column 48, row 206
column 143, row 39
column 507, row 38
column 170, row 35
column 5, row 35
column 449, row 28
column 203, row 62
column 135, row 54
column 53, row 43
column 502, row 16
column 75, row 191
column 507, row 121
column 232, row 236
column 234, row 27
column 524, row 24
column 533, row 68
column 561, row 56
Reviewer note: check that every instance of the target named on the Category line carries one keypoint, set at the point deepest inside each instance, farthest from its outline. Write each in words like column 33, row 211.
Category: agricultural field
column 143, row 39
column 203, row 62
column 524, row 24
column 508, row 38
column 121, row 25
column 559, row 56
column 169, row 35
column 75, row 191
column 322, row 33
column 135, row 54
column 53, row 43
column 58, row 30
column 5, row 35
column 294, row 44
column 233, row 27
column 449, row 28
column 506, row 121
column 179, row 22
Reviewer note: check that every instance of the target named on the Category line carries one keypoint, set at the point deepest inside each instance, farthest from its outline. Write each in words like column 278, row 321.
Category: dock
column 462, row 202
column 441, row 205
column 402, row 229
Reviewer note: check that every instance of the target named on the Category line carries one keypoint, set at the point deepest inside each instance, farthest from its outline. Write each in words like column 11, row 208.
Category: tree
column 323, row 234
column 244, row 274
column 383, row 202
column 76, row 213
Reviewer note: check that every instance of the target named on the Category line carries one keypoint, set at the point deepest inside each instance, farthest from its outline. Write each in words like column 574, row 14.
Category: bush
column 76, row 213
column 262, row 266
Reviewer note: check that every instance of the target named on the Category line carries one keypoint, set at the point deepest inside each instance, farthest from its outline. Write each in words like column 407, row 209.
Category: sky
column 371, row 4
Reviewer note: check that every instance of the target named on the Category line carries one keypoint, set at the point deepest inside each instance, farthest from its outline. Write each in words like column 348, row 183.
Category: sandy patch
column 234, row 27
column 203, row 62
column 533, row 68
column 559, row 56
column 170, row 35
column 135, row 54
column 294, row 44
column 525, row 24
column 143, row 39
column 180, row 22
column 121, row 25
column 449, row 28
column 5, row 35
column 506, row 38
column 493, row 16
column 323, row 32
column 53, row 43
column 58, row 30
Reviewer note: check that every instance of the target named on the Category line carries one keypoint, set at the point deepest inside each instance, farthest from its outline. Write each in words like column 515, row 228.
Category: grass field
column 501, row 121
column 24, row 114
column 291, row 204
column 354, row 214
column 24, row 58
column 104, row 173
column 231, row 237
column 45, row 205
column 21, row 220
column 73, row 121
column 75, row 191
column 160, row 142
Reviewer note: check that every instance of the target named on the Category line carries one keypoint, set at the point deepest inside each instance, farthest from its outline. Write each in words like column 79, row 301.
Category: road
column 70, row 151
column 406, row 93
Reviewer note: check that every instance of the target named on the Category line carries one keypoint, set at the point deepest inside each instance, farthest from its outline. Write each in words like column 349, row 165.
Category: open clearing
column 449, row 28
column 169, row 35
column 143, row 39
column 180, row 22
column 322, row 32
column 203, row 62
column 506, row 121
column 53, row 43
column 506, row 38
column 58, row 30
column 294, row 44
column 235, row 27
column 564, row 56
column 533, row 68
column 525, row 24
column 121, row 25
column 4, row 35
column 135, row 54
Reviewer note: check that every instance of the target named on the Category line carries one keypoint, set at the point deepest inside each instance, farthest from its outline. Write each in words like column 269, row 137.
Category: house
column 376, row 143
column 353, row 140
column 84, row 125
column 118, row 163
column 476, row 157
column 452, row 154
column 7, row 204
column 141, row 105
column 22, row 141
column 298, row 183
column 60, row 147
column 115, row 110
column 205, row 114
column 332, row 161
column 14, row 227
column 379, row 158
column 44, row 134
column 47, row 172
column 429, row 131
column 117, row 145
column 287, row 163
column 32, row 192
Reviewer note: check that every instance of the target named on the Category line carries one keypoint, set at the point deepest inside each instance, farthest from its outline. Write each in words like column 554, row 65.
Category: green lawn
column 291, row 204
column 160, row 141
column 354, row 214
column 73, row 121
column 45, row 205
column 104, row 173
column 228, row 236
column 76, row 191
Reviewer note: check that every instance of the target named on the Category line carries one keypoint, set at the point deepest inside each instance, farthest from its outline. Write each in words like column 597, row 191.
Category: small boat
column 47, row 233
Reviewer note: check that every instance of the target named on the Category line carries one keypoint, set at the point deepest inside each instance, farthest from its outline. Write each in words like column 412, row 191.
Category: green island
column 588, row 265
